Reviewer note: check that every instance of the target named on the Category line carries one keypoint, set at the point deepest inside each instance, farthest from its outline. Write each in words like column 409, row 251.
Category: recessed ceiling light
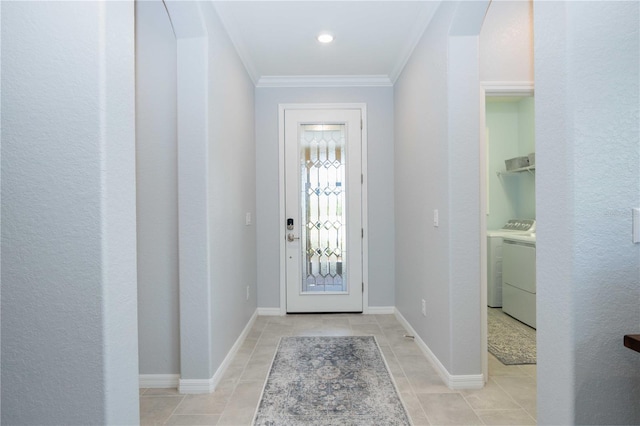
column 325, row 38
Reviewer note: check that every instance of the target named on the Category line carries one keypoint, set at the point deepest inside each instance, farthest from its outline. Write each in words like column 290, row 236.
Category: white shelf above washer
column 529, row 169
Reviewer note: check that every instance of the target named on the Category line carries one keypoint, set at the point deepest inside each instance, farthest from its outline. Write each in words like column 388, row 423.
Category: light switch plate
column 635, row 232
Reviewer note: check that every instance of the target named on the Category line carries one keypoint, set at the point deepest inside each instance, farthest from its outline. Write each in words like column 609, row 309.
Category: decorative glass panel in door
column 322, row 172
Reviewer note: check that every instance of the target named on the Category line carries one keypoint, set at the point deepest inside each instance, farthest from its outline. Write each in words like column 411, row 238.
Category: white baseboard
column 371, row 310
column 209, row 385
column 158, row 380
column 467, row 381
column 381, row 310
column 455, row 382
column 196, row 386
column 191, row 386
column 269, row 312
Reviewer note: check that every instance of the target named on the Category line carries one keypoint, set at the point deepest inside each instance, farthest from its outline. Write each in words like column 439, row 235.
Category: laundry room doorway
column 508, row 201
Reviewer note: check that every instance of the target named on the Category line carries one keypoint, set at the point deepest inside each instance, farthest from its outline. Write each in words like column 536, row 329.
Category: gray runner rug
column 329, row 381
column 509, row 340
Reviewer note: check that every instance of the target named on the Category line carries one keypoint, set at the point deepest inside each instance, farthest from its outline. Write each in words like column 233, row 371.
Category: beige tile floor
column 509, row 398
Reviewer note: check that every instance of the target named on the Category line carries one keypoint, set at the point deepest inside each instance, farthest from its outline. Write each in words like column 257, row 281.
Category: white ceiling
column 277, row 39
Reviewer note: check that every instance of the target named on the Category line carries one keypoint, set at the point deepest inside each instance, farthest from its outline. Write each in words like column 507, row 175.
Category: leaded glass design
column 322, row 172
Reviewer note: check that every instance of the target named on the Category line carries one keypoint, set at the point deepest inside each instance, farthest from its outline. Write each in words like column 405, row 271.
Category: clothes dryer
column 494, row 256
column 519, row 278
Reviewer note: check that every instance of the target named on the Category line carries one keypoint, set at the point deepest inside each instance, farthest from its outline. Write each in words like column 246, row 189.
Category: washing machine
column 494, row 256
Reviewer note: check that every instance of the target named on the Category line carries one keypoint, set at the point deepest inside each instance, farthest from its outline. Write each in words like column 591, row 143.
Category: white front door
column 323, row 210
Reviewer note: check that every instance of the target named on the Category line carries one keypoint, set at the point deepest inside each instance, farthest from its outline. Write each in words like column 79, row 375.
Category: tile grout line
column 237, row 382
column 516, row 402
column 174, row 410
column 410, row 384
column 288, row 326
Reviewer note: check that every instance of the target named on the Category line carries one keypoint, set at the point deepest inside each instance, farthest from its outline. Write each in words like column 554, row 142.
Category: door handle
column 291, row 237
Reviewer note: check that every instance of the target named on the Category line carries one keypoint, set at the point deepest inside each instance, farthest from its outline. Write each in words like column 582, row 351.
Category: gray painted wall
column 0, row 211
column 588, row 155
column 436, row 116
column 69, row 331
column 194, row 247
column 215, row 174
column 231, row 190
column 380, row 181
column 421, row 168
column 437, row 129
column 157, row 190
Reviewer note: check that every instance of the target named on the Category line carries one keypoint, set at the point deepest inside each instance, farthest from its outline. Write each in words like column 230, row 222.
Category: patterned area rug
column 329, row 381
column 509, row 340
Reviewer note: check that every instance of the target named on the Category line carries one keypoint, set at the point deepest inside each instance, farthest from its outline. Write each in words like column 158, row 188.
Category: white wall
column 380, row 182
column 527, row 145
column 506, row 42
column 503, row 195
column 588, row 157
column 157, row 190
column 69, row 331
column 506, row 55
column 511, row 134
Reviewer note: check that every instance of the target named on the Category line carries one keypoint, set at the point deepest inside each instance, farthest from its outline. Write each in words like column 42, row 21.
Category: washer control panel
column 523, row 225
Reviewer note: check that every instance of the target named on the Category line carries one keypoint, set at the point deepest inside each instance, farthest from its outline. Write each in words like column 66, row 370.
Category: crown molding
column 325, row 81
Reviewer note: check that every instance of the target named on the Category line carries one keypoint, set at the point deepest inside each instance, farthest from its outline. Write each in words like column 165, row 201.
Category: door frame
column 490, row 89
column 362, row 107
